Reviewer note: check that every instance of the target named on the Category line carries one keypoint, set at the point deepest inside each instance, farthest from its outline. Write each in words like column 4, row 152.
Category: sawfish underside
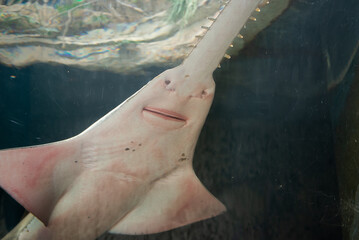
column 131, row 171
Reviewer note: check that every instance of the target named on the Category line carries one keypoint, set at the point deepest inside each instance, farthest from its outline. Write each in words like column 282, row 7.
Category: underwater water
column 275, row 148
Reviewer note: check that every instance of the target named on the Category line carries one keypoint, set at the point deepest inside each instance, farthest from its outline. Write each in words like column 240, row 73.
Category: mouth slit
column 166, row 115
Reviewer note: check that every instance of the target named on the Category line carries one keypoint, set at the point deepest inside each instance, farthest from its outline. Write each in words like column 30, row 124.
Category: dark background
column 267, row 148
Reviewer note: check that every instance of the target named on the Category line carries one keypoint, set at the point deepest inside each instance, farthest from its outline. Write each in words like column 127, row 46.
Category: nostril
column 203, row 93
column 169, row 85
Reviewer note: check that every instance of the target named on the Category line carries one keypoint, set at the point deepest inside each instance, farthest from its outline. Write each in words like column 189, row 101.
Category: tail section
column 27, row 174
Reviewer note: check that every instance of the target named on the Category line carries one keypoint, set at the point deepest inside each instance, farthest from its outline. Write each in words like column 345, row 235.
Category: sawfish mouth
column 165, row 114
column 163, row 118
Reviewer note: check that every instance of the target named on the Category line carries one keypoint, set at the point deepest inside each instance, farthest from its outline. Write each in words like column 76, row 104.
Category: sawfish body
column 130, row 172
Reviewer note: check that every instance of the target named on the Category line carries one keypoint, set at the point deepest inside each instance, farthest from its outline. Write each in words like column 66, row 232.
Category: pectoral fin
column 27, row 174
column 177, row 200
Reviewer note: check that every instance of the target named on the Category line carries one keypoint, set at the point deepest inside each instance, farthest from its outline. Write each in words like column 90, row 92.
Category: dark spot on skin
column 126, row 149
column 88, row 216
column 182, row 159
column 133, row 150
column 186, row 76
column 167, row 81
column 183, row 155
column 76, row 161
column 140, row 144
column 204, row 93
column 131, row 141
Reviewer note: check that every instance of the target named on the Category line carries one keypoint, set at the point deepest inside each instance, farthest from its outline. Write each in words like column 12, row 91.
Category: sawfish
column 131, row 171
